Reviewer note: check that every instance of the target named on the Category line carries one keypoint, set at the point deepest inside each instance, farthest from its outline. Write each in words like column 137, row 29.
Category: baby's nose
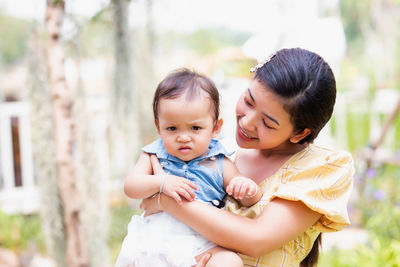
column 183, row 138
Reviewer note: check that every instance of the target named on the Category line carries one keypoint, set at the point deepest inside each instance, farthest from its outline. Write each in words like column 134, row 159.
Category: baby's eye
column 196, row 128
column 171, row 128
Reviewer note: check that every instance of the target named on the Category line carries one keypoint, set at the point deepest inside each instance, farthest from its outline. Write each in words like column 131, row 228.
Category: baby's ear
column 157, row 126
column 217, row 128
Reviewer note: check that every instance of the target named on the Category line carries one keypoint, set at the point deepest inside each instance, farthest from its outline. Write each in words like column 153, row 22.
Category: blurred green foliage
column 356, row 19
column 210, row 40
column 358, row 130
column 381, row 198
column 89, row 39
column 371, row 25
column 17, row 232
column 396, row 124
column 204, row 41
column 120, row 217
column 380, row 216
column 14, row 34
column 237, row 68
column 376, row 254
column 94, row 35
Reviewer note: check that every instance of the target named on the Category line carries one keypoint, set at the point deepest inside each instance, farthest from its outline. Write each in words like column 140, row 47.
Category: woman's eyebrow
column 251, row 96
column 271, row 118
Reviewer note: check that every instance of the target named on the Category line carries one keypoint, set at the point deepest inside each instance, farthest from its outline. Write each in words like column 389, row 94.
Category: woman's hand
column 151, row 205
column 203, row 261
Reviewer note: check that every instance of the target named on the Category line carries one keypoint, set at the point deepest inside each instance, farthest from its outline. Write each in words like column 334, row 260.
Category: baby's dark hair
column 306, row 85
column 186, row 82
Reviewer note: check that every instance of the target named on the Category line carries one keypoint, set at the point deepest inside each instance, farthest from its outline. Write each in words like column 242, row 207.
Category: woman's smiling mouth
column 243, row 135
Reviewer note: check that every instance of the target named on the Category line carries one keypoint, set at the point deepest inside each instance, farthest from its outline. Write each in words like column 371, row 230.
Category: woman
column 306, row 188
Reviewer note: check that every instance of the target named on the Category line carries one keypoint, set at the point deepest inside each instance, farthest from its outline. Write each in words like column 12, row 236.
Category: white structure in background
column 300, row 26
column 18, row 193
column 18, row 189
column 324, row 36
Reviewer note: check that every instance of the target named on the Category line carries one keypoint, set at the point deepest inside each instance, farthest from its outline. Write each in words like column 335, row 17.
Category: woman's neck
column 261, row 164
column 285, row 150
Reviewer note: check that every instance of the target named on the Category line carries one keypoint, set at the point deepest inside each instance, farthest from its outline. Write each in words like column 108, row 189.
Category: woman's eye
column 196, row 128
column 247, row 102
column 171, row 128
column 266, row 125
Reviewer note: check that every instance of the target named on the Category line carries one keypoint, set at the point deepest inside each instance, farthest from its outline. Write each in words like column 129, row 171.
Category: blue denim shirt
column 208, row 181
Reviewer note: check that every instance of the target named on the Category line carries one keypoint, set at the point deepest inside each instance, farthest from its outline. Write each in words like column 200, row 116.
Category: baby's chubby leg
column 221, row 257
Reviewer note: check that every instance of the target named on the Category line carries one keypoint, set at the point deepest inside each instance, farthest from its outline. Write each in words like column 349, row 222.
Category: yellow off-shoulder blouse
column 323, row 180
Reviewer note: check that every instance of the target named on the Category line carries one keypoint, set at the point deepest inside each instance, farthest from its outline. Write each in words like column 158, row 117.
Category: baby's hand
column 241, row 187
column 177, row 187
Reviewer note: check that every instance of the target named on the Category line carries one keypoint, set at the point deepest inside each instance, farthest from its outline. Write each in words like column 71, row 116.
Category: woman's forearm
column 226, row 229
column 280, row 222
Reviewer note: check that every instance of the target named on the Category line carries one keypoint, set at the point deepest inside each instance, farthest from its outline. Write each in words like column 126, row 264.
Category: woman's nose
column 248, row 121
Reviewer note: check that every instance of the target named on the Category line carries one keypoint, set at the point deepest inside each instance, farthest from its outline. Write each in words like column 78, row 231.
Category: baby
column 186, row 113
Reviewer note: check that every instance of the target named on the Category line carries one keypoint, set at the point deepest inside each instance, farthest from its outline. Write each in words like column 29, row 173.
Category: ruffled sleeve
column 323, row 180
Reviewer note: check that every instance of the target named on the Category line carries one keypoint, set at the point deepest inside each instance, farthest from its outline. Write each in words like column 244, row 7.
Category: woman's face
column 262, row 122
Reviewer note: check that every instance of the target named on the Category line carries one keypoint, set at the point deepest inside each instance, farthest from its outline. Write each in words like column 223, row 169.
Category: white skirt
column 159, row 240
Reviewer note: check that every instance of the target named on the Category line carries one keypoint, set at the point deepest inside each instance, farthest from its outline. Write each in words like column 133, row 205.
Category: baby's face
column 186, row 126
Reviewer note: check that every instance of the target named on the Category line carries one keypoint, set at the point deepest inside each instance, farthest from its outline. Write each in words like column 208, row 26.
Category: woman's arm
column 280, row 222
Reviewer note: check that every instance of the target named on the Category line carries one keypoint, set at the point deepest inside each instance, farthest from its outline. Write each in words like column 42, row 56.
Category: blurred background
column 76, row 86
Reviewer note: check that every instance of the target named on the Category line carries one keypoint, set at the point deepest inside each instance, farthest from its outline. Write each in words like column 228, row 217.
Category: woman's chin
column 243, row 143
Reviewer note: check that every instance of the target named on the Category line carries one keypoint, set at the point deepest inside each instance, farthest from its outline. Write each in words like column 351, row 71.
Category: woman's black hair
column 306, row 85
column 312, row 257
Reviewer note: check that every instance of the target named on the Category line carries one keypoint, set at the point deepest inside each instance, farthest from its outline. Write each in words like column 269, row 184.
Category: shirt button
column 184, row 167
column 164, row 163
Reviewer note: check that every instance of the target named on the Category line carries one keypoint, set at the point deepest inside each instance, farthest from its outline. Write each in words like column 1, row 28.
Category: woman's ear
column 217, row 128
column 300, row 135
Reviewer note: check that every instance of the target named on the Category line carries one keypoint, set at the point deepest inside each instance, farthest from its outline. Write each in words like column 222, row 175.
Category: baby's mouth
column 184, row 149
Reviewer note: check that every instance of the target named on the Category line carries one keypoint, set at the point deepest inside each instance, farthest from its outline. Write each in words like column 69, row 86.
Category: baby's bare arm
column 140, row 182
column 243, row 189
column 143, row 182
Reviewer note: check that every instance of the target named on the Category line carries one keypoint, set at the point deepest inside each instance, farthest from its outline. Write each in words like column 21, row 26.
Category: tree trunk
column 50, row 210
column 124, row 89
column 76, row 248
column 91, row 167
column 124, row 123
column 145, row 77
